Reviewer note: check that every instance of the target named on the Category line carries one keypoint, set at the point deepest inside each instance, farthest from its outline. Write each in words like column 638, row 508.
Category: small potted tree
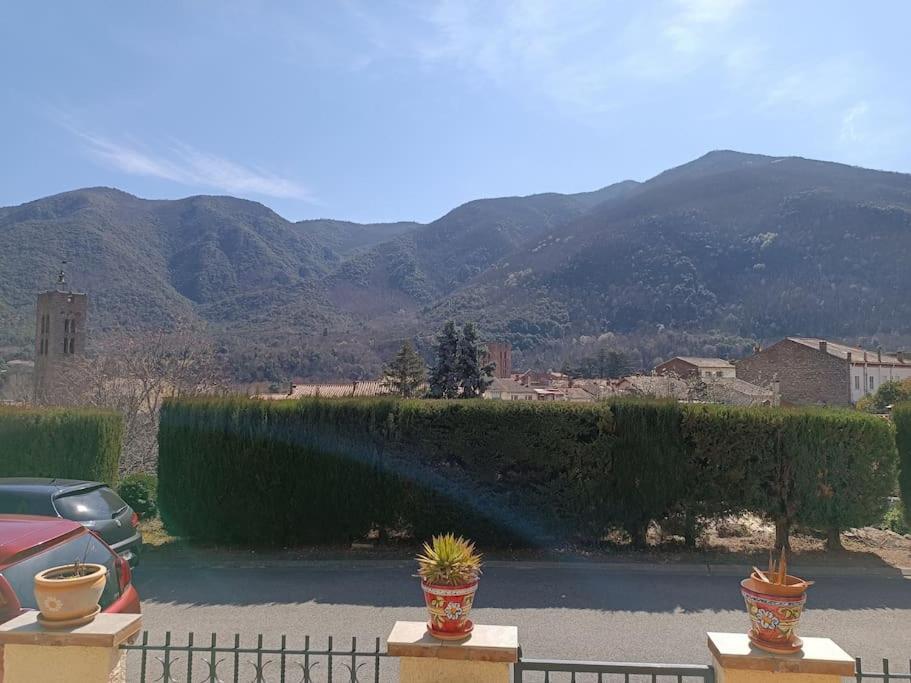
column 449, row 569
column 68, row 595
column 774, row 601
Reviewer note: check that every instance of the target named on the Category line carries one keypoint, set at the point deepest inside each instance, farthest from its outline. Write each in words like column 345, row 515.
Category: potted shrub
column 68, row 595
column 775, row 601
column 449, row 569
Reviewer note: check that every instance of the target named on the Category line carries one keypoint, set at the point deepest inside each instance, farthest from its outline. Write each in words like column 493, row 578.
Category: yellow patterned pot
column 66, row 600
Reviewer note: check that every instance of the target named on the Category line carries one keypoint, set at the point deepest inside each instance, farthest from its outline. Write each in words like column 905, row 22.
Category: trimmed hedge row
column 69, row 443
column 901, row 416
column 330, row 470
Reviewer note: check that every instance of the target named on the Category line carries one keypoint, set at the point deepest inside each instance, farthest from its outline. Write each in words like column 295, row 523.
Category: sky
column 374, row 110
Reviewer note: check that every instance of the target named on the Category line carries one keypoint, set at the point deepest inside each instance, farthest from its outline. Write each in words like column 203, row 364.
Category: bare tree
column 134, row 374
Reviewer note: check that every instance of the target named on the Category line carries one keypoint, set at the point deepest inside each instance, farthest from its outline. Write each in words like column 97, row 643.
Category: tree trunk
column 782, row 534
column 833, row 539
column 689, row 529
column 638, row 534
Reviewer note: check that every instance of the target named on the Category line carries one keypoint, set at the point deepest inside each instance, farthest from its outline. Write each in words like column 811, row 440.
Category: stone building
column 500, row 354
column 687, row 367
column 60, row 324
column 17, row 384
column 819, row 372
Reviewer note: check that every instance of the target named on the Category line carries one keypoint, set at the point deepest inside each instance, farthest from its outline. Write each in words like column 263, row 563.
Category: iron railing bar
column 376, row 662
column 635, row 668
column 250, row 650
column 283, row 656
column 145, row 656
column 190, row 658
column 237, row 658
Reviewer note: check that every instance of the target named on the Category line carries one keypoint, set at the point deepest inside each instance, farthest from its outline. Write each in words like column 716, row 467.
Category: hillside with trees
column 706, row 258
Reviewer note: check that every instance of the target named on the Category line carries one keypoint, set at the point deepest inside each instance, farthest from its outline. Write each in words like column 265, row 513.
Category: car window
column 83, row 506
column 18, row 503
column 21, row 575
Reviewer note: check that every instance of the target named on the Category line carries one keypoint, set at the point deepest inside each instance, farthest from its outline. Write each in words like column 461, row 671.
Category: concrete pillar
column 88, row 654
column 737, row 661
column 483, row 657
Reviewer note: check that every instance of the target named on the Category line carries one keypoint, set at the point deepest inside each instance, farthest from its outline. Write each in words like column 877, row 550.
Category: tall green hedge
column 901, row 416
column 277, row 473
column 69, row 443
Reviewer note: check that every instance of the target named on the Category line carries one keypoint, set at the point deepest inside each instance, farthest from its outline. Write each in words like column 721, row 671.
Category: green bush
column 508, row 472
column 140, row 492
column 66, row 443
column 901, row 416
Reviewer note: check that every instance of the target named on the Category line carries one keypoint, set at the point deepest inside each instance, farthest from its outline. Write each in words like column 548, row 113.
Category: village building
column 498, row 354
column 813, row 371
column 686, row 367
column 353, row 389
column 509, row 390
column 17, row 384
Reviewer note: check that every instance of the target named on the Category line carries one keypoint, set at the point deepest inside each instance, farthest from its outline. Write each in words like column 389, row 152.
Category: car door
column 99, row 509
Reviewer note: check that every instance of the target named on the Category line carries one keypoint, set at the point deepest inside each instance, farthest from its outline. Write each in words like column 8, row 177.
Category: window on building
column 66, row 344
column 66, row 326
column 871, row 383
column 72, row 345
column 857, row 382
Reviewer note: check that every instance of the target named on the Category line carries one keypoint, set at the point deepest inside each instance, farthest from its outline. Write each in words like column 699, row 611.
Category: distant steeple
column 61, row 277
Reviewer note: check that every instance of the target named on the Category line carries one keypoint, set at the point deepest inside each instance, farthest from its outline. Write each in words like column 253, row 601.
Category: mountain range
column 708, row 257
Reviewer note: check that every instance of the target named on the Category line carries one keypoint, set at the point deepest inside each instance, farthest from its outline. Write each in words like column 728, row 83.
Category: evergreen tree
column 474, row 378
column 404, row 374
column 444, row 379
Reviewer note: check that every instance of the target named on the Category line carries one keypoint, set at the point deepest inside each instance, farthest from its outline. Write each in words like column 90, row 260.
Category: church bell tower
column 60, row 319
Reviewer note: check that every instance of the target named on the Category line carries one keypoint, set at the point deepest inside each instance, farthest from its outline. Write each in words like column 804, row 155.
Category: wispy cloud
column 184, row 164
column 850, row 122
column 583, row 56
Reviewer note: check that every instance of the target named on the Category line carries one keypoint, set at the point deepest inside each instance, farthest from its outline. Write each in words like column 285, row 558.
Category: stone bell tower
column 60, row 319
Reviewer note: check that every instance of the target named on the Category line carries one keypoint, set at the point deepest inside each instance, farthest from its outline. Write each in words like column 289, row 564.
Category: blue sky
column 385, row 109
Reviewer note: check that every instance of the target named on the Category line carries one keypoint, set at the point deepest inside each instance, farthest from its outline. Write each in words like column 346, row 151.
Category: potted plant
column 449, row 569
column 774, row 601
column 67, row 596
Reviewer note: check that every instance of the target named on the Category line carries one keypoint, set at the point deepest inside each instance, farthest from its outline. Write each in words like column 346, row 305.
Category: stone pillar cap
column 485, row 644
column 107, row 630
column 818, row 656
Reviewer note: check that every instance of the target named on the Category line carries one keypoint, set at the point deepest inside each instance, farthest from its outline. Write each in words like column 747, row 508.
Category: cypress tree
column 474, row 378
column 444, row 379
column 404, row 374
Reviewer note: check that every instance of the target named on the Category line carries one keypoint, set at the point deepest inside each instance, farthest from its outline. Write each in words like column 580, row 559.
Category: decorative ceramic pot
column 449, row 607
column 66, row 600
column 774, row 618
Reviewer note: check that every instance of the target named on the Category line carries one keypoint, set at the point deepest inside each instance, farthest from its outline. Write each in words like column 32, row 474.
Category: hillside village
column 793, row 371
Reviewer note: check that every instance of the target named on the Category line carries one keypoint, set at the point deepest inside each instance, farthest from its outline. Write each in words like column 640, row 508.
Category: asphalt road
column 604, row 612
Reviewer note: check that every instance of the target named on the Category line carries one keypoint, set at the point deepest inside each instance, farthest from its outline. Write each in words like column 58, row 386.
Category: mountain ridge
column 729, row 246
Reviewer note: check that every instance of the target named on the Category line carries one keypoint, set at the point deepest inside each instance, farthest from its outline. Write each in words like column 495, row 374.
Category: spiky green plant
column 449, row 561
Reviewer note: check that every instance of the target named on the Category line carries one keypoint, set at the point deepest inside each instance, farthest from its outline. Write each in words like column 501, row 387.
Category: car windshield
column 83, row 506
column 21, row 575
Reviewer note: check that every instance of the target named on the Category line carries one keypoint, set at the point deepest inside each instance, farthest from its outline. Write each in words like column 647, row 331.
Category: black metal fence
column 555, row 671
column 209, row 661
column 885, row 674
column 232, row 661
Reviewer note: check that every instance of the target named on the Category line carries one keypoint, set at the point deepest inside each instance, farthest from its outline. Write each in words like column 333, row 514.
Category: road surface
column 603, row 612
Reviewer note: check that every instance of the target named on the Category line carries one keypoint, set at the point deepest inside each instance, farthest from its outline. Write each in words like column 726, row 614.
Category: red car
column 30, row 544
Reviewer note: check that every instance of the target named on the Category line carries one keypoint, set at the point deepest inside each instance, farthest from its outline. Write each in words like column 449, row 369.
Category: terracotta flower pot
column 775, row 612
column 66, row 600
column 449, row 607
